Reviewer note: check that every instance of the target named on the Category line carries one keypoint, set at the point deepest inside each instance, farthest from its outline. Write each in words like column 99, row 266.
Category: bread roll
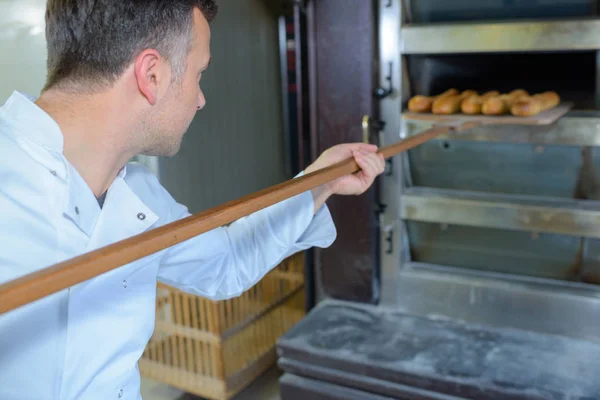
column 548, row 100
column 472, row 105
column 495, row 105
column 447, row 102
column 420, row 103
column 449, row 92
column 447, row 105
column 514, row 96
column 491, row 93
column 526, row 107
column 533, row 105
column 518, row 92
column 468, row 93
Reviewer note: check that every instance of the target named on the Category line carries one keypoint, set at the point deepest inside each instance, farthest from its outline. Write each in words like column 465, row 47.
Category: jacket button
column 141, row 216
column 120, row 393
column 77, row 210
column 125, row 284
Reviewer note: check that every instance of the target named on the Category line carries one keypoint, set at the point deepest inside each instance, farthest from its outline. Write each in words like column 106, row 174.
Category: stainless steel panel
column 570, row 309
column 391, row 230
column 497, row 250
column 581, row 34
column 597, row 78
column 590, row 263
column 435, row 11
column 505, row 168
column 578, row 128
column 521, row 213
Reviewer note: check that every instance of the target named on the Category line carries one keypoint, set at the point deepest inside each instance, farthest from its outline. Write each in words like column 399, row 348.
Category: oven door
column 342, row 87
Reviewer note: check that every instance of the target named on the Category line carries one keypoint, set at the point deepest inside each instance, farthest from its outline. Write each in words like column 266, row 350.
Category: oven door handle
column 369, row 124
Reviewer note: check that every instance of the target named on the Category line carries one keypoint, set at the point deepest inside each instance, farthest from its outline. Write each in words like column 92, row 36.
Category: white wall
column 22, row 47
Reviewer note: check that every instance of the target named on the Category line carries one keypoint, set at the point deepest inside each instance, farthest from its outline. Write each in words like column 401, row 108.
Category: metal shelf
column 579, row 128
column 501, row 37
column 522, row 213
column 545, row 306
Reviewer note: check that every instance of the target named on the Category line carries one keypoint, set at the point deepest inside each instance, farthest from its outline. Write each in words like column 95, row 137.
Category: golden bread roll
column 548, row 100
column 526, row 107
column 468, row 93
column 533, row 105
column 514, row 97
column 518, row 93
column 472, row 105
column 420, row 103
column 449, row 92
column 491, row 93
column 447, row 105
column 495, row 105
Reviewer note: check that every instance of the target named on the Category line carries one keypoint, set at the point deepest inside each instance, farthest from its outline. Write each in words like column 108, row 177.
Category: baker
column 123, row 79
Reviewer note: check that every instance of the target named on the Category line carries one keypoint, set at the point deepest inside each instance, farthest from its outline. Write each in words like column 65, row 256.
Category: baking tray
column 544, row 118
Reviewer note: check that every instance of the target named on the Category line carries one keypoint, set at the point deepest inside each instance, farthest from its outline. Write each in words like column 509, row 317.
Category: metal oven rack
column 553, row 306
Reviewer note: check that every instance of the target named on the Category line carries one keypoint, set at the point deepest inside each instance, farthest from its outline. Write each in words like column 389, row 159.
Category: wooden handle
column 60, row 276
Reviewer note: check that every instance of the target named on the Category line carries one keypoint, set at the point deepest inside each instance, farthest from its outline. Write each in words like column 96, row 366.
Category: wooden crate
column 215, row 349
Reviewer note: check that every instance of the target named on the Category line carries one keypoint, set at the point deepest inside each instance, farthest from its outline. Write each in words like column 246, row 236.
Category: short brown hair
column 91, row 42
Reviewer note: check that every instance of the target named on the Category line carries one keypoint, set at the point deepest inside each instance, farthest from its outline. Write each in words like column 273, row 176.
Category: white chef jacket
column 84, row 342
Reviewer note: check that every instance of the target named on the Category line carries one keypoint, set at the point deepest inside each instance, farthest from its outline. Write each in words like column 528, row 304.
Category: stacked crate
column 215, row 349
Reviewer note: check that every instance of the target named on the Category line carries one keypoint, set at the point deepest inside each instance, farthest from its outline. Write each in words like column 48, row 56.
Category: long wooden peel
column 60, row 276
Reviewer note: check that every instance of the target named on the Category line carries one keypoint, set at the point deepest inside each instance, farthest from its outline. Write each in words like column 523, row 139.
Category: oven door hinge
column 380, row 208
column 381, row 92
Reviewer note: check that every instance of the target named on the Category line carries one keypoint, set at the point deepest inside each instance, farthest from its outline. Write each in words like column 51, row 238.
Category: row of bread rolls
column 518, row 102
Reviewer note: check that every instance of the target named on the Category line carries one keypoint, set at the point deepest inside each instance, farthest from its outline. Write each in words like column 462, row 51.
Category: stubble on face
column 165, row 127
column 172, row 117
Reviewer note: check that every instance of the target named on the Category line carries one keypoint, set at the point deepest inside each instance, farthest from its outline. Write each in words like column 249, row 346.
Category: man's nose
column 201, row 101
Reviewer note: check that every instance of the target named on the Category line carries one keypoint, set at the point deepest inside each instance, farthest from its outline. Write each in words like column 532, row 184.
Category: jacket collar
column 32, row 122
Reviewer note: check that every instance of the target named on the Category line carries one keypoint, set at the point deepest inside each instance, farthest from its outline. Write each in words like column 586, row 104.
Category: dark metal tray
column 443, row 356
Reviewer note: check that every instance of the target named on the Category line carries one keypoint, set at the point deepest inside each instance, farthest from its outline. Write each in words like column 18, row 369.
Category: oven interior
column 572, row 74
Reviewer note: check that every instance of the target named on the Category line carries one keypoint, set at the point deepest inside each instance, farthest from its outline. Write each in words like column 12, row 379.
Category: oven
column 500, row 224
column 497, row 227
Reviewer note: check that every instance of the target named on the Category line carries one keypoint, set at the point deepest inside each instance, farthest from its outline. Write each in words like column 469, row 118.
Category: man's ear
column 148, row 74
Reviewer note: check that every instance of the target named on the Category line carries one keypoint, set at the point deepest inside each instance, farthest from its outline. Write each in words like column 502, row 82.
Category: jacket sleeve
column 225, row 262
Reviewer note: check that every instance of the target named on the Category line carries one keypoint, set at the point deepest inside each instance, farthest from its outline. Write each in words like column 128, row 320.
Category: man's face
column 181, row 101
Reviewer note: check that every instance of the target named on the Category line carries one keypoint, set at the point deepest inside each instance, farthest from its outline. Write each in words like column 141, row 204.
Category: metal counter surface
column 443, row 355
